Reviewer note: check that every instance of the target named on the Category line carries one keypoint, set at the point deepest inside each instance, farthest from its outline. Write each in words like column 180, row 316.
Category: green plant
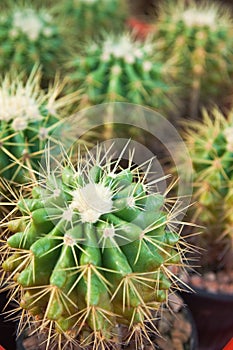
column 210, row 143
column 118, row 68
column 28, row 116
column 29, row 35
column 92, row 247
column 90, row 17
column 202, row 37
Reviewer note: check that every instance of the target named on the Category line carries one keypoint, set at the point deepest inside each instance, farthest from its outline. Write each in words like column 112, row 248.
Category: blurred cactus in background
column 88, row 18
column 29, row 35
column 92, row 248
column 202, row 36
column 210, row 143
column 119, row 68
column 28, row 116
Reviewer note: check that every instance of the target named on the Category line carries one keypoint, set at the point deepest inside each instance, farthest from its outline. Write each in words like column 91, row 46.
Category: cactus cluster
column 91, row 249
column 28, row 116
column 91, row 17
column 118, row 68
column 29, row 35
column 210, row 143
column 202, row 36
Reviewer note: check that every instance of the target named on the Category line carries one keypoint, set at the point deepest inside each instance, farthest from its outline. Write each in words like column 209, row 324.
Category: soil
column 213, row 282
column 174, row 327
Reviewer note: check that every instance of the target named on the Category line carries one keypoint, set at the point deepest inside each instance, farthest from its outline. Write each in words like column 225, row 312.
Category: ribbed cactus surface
column 28, row 117
column 118, row 68
column 29, row 35
column 90, row 249
column 210, row 145
column 201, row 36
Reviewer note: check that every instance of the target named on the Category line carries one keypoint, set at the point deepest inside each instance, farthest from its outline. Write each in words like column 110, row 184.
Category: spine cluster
column 93, row 247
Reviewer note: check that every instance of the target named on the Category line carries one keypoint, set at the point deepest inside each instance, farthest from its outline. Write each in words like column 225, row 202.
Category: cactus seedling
column 118, row 68
column 29, row 35
column 91, row 249
column 201, row 35
column 211, row 149
column 28, row 116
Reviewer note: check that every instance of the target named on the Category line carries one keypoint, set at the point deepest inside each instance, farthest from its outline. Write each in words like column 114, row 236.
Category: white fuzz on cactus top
column 89, row 1
column 18, row 104
column 228, row 133
column 92, row 201
column 124, row 47
column 195, row 17
column 28, row 22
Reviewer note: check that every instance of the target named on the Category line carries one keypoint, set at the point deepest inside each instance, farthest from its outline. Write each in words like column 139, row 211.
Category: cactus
column 29, row 35
column 210, row 145
column 28, row 116
column 201, row 35
column 90, row 17
column 91, row 249
column 118, row 68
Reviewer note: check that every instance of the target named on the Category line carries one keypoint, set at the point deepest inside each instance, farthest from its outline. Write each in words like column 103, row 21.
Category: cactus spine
column 211, row 148
column 91, row 249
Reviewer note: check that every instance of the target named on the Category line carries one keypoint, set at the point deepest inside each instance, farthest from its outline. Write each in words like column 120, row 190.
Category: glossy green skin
column 116, row 80
column 21, row 53
column 85, row 278
column 25, row 146
column 205, row 53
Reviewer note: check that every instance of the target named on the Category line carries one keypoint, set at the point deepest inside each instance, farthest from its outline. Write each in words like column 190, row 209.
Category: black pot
column 194, row 341
column 7, row 328
column 213, row 315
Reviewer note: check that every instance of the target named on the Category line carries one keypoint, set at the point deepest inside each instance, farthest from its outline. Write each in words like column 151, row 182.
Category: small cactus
column 90, row 17
column 210, row 145
column 118, row 68
column 91, row 249
column 28, row 116
column 202, row 37
column 29, row 35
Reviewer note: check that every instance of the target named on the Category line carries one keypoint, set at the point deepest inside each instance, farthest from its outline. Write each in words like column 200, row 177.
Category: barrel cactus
column 94, row 246
column 201, row 35
column 28, row 116
column 118, row 68
column 29, row 35
column 90, row 17
column 210, row 145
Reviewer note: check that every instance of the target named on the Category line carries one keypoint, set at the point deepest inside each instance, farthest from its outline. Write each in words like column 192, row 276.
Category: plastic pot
column 194, row 341
column 213, row 315
column 7, row 328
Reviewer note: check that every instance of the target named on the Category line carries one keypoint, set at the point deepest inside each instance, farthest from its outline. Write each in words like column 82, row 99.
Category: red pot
column 140, row 28
column 229, row 346
column 213, row 315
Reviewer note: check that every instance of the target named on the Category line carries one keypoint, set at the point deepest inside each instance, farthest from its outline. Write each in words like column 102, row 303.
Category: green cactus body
column 86, row 263
column 29, row 35
column 28, row 118
column 89, row 17
column 118, row 68
column 201, row 36
column 211, row 149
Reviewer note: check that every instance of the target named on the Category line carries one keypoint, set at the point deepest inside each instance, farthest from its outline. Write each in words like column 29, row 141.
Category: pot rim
column 211, row 295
